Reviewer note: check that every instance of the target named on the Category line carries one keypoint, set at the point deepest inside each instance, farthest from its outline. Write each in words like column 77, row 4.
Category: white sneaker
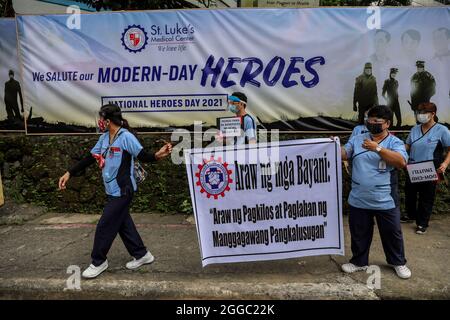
column 402, row 272
column 350, row 268
column 93, row 271
column 148, row 258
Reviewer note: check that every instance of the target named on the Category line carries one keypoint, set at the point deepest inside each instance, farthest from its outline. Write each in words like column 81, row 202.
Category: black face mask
column 374, row 128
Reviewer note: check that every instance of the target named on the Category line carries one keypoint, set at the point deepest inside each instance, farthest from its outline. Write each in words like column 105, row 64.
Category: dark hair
column 11, row 72
column 383, row 112
column 388, row 35
column 430, row 107
column 113, row 113
column 414, row 34
column 241, row 96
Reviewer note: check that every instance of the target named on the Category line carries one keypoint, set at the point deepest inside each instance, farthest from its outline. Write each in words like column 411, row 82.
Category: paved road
column 35, row 255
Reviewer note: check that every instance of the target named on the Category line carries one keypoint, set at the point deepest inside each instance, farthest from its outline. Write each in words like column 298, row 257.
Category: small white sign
column 421, row 172
column 230, row 126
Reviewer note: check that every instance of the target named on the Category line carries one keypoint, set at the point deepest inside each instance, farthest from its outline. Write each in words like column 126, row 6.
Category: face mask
column 100, row 160
column 422, row 118
column 232, row 108
column 368, row 72
column 102, row 125
column 11, row 77
column 374, row 128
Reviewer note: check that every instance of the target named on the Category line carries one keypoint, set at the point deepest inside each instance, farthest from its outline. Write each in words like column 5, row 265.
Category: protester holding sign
column 115, row 152
column 237, row 104
column 376, row 156
column 426, row 142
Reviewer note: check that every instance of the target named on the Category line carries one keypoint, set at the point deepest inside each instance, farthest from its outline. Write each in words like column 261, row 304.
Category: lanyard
column 114, row 139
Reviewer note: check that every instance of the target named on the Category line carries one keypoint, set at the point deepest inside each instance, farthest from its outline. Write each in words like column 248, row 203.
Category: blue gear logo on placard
column 134, row 38
column 214, row 177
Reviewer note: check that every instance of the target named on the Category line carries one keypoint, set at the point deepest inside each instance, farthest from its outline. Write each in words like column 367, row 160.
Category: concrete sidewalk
column 35, row 255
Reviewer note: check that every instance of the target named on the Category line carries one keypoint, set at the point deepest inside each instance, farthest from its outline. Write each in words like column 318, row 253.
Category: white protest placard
column 267, row 201
column 422, row 171
column 230, row 126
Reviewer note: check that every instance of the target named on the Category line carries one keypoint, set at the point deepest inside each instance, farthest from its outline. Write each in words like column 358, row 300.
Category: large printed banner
column 11, row 116
column 267, row 201
column 302, row 69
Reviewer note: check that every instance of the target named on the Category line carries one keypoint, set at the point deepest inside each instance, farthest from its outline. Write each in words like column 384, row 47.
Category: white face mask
column 423, row 118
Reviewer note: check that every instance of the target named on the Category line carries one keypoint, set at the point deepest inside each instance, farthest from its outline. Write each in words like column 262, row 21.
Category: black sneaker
column 406, row 219
column 421, row 230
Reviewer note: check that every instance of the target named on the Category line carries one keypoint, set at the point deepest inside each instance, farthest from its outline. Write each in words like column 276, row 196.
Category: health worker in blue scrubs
column 237, row 103
column 115, row 152
column 376, row 156
column 427, row 141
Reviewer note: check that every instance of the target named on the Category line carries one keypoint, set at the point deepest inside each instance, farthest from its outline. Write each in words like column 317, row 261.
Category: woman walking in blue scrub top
column 426, row 142
column 115, row 152
column 375, row 157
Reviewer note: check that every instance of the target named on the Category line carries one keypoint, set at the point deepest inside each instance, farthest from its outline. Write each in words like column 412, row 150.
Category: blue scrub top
column 359, row 129
column 374, row 182
column 428, row 146
column 118, row 172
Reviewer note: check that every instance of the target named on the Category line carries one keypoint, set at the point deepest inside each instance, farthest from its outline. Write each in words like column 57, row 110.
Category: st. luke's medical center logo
column 214, row 177
column 134, row 38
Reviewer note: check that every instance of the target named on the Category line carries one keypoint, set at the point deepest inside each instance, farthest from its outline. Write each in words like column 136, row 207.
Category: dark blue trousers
column 361, row 223
column 419, row 200
column 115, row 219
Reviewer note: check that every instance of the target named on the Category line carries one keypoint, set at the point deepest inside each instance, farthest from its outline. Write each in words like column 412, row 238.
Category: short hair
column 412, row 33
column 240, row 95
column 381, row 111
column 388, row 35
column 447, row 31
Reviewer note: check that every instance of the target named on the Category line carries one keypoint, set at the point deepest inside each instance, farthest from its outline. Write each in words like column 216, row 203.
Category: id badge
column 382, row 165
